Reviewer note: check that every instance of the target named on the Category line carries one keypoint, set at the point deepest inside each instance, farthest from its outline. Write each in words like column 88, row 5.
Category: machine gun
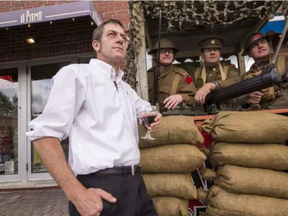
column 268, row 78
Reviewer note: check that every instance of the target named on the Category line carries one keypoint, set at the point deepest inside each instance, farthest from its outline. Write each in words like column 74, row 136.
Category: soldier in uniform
column 257, row 47
column 175, row 85
column 213, row 74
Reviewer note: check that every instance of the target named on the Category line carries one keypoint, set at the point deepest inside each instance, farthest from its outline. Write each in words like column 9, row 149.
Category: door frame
column 24, row 113
column 22, row 174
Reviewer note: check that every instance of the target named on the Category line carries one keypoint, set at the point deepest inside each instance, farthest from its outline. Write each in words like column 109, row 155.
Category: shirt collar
column 213, row 69
column 106, row 69
column 165, row 71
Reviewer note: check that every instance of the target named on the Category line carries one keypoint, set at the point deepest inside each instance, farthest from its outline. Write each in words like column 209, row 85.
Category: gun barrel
column 257, row 83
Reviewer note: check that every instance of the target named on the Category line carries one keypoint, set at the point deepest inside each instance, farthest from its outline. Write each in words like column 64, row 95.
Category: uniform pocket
column 164, row 92
column 165, row 88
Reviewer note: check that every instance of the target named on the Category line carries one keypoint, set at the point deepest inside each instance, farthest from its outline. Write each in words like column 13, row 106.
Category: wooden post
column 241, row 63
column 141, row 75
column 148, row 37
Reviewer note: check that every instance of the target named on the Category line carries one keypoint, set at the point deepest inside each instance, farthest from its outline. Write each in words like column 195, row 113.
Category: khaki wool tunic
column 185, row 85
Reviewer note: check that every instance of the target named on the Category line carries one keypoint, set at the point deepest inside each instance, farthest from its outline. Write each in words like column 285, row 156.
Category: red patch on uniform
column 189, row 80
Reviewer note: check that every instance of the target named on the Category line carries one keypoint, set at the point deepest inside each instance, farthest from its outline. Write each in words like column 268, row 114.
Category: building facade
column 37, row 38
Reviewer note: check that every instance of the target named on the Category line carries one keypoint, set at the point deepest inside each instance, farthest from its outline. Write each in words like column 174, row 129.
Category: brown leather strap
column 175, row 84
column 197, row 73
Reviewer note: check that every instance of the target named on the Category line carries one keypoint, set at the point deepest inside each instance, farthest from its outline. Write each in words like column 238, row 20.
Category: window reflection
column 8, row 121
column 41, row 77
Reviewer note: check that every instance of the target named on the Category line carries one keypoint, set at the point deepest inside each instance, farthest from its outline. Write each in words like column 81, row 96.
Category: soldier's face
column 211, row 55
column 112, row 47
column 166, row 56
column 259, row 49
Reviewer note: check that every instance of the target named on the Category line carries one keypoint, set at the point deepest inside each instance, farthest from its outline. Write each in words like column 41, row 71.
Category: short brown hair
column 98, row 32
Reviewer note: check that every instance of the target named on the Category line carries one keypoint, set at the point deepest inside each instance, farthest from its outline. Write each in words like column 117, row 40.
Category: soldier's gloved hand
column 172, row 101
column 252, row 98
column 204, row 91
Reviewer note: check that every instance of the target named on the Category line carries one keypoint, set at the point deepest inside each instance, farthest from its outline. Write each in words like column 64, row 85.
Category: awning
column 276, row 24
column 49, row 13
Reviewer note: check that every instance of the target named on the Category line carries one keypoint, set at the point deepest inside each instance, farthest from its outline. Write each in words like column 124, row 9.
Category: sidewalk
column 33, row 203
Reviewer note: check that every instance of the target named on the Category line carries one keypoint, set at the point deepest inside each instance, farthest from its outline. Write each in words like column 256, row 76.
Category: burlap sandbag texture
column 173, row 130
column 247, row 127
column 180, row 158
column 253, row 181
column 170, row 206
column 266, row 156
column 176, row 185
column 223, row 203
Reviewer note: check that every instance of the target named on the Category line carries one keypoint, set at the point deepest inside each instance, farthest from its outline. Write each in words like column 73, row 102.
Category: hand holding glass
column 149, row 114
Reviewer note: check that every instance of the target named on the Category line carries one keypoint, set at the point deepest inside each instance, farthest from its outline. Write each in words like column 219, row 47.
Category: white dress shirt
column 100, row 120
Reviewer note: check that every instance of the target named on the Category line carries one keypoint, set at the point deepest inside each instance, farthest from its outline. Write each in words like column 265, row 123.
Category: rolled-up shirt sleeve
column 65, row 100
column 139, row 103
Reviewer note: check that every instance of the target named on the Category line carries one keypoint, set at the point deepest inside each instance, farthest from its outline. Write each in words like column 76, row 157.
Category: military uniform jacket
column 224, row 75
column 172, row 81
column 274, row 97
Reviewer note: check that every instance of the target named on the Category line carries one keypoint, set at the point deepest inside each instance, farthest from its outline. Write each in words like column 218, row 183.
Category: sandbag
column 173, row 130
column 223, row 203
column 202, row 195
column 266, row 156
column 180, row 158
column 170, row 206
column 247, row 127
column 250, row 181
column 176, row 185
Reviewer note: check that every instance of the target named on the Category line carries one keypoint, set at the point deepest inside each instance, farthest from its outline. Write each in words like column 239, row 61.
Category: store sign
column 7, row 77
column 49, row 13
column 6, row 82
column 29, row 17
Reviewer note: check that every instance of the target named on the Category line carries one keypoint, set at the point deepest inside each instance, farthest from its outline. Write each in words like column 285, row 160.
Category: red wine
column 149, row 119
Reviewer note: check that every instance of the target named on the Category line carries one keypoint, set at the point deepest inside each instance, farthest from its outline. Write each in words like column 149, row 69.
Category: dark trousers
column 129, row 190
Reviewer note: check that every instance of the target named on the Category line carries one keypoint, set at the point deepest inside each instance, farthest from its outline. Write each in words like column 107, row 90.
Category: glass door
column 40, row 74
column 12, row 120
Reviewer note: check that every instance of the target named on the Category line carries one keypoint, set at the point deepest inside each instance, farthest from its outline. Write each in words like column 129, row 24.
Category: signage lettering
column 5, row 133
column 28, row 17
column 10, row 84
column 5, row 148
column 7, row 77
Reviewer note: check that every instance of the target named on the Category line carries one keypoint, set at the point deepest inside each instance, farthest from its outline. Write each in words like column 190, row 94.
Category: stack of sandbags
column 167, row 163
column 249, row 156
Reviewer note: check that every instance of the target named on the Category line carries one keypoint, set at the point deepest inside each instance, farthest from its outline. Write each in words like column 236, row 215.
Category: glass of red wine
column 149, row 115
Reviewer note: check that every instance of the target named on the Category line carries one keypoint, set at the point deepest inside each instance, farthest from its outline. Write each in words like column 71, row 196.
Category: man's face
column 166, row 56
column 211, row 55
column 259, row 49
column 113, row 44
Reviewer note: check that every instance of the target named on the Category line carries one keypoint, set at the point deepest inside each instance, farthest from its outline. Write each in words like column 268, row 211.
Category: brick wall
column 113, row 9
column 106, row 9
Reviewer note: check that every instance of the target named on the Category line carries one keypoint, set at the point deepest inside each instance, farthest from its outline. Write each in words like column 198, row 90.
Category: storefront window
column 41, row 76
column 8, row 121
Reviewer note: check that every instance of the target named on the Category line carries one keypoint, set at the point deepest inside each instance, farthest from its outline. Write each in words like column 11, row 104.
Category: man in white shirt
column 92, row 105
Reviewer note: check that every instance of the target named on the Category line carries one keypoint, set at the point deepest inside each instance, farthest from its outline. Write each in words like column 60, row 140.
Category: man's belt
column 117, row 170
